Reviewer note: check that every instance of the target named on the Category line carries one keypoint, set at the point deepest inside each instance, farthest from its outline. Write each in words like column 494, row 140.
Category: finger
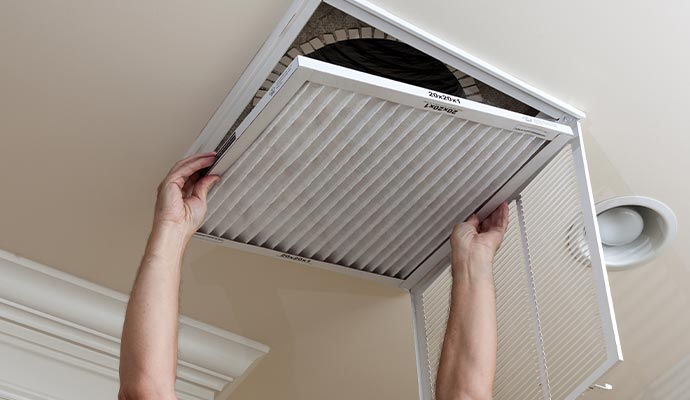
column 188, row 167
column 473, row 220
column 189, row 184
column 204, row 185
column 468, row 227
column 486, row 224
column 505, row 216
column 502, row 217
column 489, row 221
column 498, row 220
column 178, row 163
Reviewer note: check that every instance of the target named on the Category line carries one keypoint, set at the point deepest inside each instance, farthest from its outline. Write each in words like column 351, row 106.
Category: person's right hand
column 181, row 202
column 474, row 244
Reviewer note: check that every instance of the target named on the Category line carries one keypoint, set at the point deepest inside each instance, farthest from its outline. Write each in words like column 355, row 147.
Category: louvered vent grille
column 573, row 336
column 550, row 334
column 362, row 182
column 517, row 363
column 436, row 305
column 518, row 358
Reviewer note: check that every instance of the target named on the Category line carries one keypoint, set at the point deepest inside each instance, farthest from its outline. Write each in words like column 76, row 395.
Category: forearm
column 468, row 361
column 149, row 338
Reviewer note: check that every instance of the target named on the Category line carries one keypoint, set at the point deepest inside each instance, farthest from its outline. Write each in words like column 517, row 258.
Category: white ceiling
column 97, row 99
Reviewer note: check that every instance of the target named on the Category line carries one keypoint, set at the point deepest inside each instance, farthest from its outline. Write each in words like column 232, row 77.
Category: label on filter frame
column 444, row 97
column 530, row 130
column 282, row 79
column 438, row 107
column 295, row 258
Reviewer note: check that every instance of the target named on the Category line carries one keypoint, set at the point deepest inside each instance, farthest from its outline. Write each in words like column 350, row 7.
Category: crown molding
column 61, row 318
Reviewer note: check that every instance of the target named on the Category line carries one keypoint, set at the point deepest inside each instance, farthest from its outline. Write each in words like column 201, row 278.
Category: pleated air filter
column 342, row 167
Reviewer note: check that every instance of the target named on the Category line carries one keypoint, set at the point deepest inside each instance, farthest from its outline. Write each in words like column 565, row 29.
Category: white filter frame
column 304, row 69
column 280, row 41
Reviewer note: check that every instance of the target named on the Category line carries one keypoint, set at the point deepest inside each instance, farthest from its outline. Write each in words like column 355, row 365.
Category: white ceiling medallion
column 634, row 230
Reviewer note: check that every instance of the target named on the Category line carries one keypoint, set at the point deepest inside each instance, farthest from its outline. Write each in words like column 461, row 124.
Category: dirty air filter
column 342, row 167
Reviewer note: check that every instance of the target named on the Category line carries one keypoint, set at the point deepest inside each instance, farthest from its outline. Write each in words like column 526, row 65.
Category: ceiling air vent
column 354, row 141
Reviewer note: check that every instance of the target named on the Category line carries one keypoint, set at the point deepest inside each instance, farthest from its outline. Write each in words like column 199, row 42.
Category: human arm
column 148, row 352
column 468, row 358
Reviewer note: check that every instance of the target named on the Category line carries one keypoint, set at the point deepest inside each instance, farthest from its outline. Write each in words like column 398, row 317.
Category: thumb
column 468, row 227
column 202, row 187
column 463, row 232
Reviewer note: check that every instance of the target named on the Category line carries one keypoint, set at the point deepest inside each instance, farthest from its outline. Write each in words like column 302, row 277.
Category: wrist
column 171, row 228
column 472, row 270
column 168, row 241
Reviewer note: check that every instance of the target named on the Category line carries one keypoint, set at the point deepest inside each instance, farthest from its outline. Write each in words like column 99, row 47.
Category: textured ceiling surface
column 98, row 98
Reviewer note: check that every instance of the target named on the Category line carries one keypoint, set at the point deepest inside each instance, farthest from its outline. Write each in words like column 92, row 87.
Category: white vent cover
column 347, row 168
column 553, row 341
column 518, row 363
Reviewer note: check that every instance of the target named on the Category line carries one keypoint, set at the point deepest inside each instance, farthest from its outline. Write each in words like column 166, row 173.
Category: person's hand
column 474, row 244
column 181, row 202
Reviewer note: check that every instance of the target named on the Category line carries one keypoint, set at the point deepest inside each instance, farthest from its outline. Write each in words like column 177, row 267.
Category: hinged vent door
column 556, row 329
column 341, row 167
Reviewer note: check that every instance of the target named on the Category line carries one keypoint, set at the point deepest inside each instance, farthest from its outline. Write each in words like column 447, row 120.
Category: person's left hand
column 181, row 202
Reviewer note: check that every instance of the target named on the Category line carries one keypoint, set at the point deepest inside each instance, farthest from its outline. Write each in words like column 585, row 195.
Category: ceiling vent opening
column 393, row 60
column 338, row 38
column 332, row 155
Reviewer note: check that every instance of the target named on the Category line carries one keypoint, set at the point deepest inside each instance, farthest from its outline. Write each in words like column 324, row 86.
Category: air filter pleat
column 305, row 145
column 447, row 214
column 431, row 165
column 232, row 179
column 460, row 176
column 573, row 338
column 433, row 162
column 366, row 198
column 406, row 201
column 312, row 160
column 517, row 363
column 334, row 187
column 494, row 172
column 286, row 208
column 376, row 161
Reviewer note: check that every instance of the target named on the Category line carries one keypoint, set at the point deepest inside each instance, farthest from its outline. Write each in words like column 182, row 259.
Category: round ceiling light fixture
column 634, row 230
